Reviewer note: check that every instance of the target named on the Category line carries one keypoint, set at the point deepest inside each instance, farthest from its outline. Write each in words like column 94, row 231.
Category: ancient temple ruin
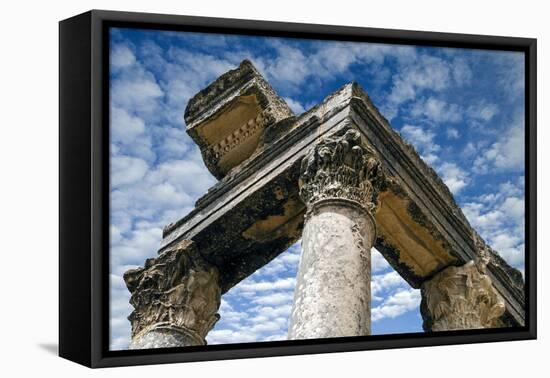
column 341, row 179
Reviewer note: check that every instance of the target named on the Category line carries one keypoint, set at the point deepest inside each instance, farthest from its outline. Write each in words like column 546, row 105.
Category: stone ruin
column 341, row 179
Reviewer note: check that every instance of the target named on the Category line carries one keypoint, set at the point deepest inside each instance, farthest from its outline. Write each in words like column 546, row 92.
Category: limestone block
column 228, row 118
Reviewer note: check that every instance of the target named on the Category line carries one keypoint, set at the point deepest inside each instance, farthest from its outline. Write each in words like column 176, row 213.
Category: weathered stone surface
column 339, row 180
column 341, row 167
column 332, row 295
column 228, row 118
column 175, row 297
column 254, row 213
column 165, row 336
column 408, row 238
column 462, row 297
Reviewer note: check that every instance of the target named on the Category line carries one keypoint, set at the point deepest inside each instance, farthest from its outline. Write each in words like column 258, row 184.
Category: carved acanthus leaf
column 177, row 288
column 461, row 298
column 341, row 167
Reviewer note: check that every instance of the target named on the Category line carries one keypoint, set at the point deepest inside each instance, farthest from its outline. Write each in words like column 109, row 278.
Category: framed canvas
column 235, row 188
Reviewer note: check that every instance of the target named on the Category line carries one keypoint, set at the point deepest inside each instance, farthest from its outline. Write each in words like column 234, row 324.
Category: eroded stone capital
column 341, row 167
column 462, row 298
column 175, row 297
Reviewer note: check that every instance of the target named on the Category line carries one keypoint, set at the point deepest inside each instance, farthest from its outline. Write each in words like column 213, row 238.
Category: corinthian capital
column 462, row 297
column 341, row 167
column 176, row 293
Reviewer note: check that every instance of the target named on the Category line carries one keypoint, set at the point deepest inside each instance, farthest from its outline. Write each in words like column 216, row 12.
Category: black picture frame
column 84, row 188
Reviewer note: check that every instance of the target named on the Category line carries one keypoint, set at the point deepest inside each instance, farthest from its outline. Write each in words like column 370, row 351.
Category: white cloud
column 124, row 127
column 423, row 141
column 500, row 219
column 386, row 281
column 483, row 111
column 290, row 65
column 285, row 262
column 452, row 133
column 507, row 153
column 275, row 298
column 514, row 208
column 188, row 176
column 230, row 315
column 137, row 92
column 227, row 336
column 127, row 170
column 461, row 71
column 296, row 106
column 436, row 110
column 421, row 138
column 402, row 301
column 454, row 177
column 511, row 74
column 136, row 246
column 510, row 247
column 427, row 73
column 121, row 56
column 336, row 57
column 378, row 262
column 283, row 283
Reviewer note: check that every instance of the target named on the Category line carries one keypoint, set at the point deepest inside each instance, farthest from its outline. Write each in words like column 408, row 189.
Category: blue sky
column 462, row 110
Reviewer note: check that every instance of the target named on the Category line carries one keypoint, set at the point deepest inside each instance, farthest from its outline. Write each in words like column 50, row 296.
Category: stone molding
column 341, row 167
column 462, row 297
column 233, row 140
column 178, row 291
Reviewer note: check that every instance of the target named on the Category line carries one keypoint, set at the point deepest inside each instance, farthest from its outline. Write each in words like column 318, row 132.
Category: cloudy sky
column 462, row 110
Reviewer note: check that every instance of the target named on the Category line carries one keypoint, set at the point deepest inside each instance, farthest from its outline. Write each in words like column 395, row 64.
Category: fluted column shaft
column 332, row 295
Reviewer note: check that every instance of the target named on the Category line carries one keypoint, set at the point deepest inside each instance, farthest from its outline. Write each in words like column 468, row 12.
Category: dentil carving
column 177, row 289
column 341, row 167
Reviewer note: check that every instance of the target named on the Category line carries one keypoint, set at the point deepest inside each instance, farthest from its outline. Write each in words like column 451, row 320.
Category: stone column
column 462, row 297
column 175, row 296
column 332, row 295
